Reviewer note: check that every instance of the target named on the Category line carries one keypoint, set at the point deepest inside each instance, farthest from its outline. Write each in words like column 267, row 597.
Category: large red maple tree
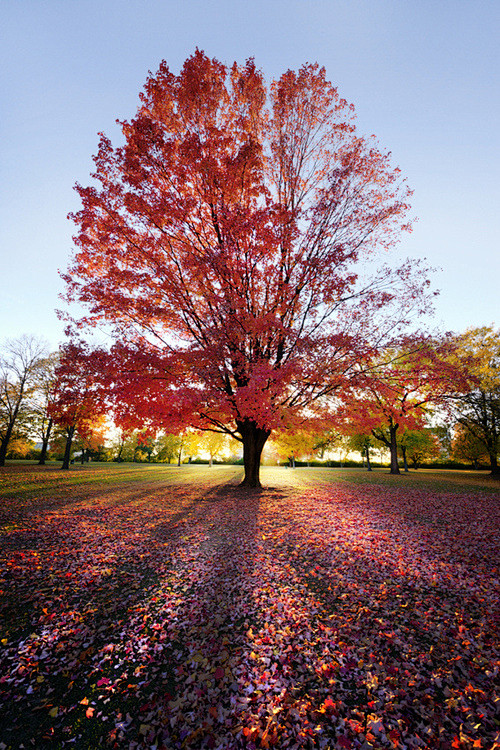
column 222, row 243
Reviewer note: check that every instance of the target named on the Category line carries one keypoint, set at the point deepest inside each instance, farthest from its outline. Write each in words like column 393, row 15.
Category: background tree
column 20, row 447
column 125, row 446
column 145, row 447
column 418, row 446
column 166, row 447
column 77, row 406
column 396, row 394
column 90, row 438
column 362, row 443
column 20, row 360
column 213, row 443
column 478, row 407
column 444, row 435
column 297, row 444
column 325, row 441
column 40, row 416
column 117, row 445
column 223, row 243
column 188, row 443
column 467, row 447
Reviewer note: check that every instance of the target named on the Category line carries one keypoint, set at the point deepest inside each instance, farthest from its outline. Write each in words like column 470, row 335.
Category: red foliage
column 79, row 399
column 222, row 243
column 396, row 392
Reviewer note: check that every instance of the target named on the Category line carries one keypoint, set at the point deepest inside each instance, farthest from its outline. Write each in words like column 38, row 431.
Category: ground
column 164, row 607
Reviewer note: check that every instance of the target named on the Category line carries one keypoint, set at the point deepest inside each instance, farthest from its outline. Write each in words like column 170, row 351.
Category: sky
column 423, row 76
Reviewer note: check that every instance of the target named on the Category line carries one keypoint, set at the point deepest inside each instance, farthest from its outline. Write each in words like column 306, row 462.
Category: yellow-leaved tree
column 478, row 408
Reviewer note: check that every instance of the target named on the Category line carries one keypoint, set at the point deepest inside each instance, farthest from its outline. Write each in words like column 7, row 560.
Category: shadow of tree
column 157, row 616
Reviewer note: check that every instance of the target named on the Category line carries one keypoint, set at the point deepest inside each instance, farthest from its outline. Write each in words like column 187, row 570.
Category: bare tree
column 20, row 360
column 42, row 420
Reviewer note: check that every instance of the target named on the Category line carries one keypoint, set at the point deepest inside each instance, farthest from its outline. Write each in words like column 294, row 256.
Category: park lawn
column 164, row 607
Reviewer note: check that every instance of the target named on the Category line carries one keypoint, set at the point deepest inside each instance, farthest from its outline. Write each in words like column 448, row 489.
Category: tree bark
column 12, row 420
column 118, row 458
column 394, row 449
column 254, row 438
column 391, row 443
column 495, row 468
column 368, row 464
column 405, row 462
column 45, row 444
column 67, row 451
column 5, row 444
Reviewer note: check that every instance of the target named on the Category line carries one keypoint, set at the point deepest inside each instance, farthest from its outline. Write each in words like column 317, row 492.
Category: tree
column 396, row 393
column 443, row 434
column 214, row 443
column 19, row 366
column 77, row 403
column 41, row 418
column 187, row 443
column 362, row 443
column 20, row 447
column 90, row 438
column 166, row 447
column 144, row 448
column 222, row 244
column 478, row 406
column 326, row 440
column 295, row 444
column 126, row 446
column 418, row 446
column 467, row 447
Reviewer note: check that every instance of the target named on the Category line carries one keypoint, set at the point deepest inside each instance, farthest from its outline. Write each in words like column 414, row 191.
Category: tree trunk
column 368, row 464
column 67, row 451
column 391, row 443
column 495, row 468
column 3, row 447
column 45, row 444
column 10, row 427
column 394, row 449
column 119, row 456
column 405, row 462
column 254, row 438
column 3, row 451
column 5, row 442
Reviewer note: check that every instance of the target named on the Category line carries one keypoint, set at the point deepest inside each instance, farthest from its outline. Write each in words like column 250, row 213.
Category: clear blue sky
column 422, row 74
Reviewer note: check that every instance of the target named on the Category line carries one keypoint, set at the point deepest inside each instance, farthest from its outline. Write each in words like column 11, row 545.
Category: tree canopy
column 21, row 367
column 478, row 407
column 397, row 390
column 224, row 243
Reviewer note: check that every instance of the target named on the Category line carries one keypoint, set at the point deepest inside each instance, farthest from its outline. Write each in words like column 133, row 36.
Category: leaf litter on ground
column 188, row 613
